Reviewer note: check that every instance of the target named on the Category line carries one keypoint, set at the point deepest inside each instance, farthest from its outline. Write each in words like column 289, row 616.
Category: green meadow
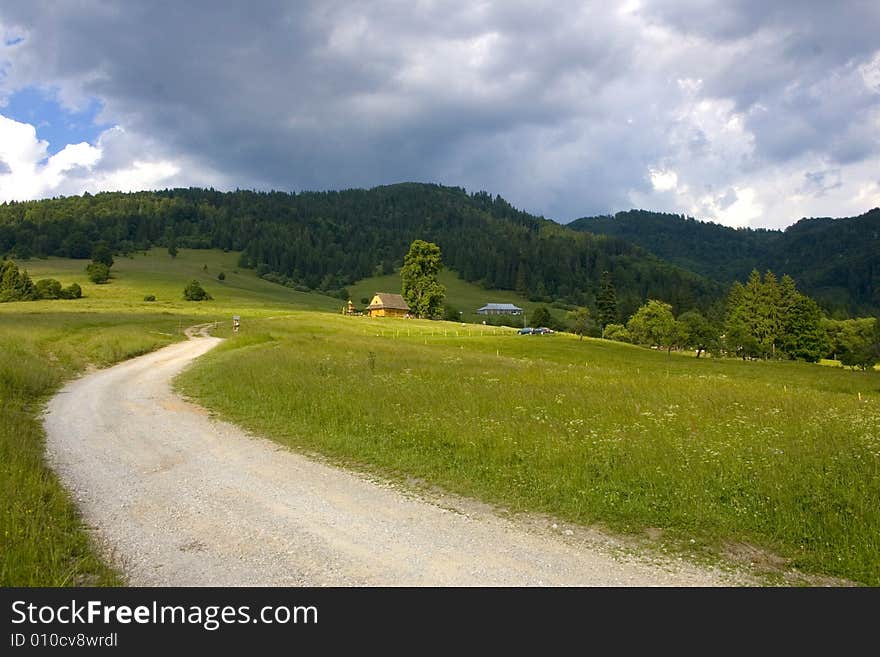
column 708, row 455
column 717, row 457
column 44, row 343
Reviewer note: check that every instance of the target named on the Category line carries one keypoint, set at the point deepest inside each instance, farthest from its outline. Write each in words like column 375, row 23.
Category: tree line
column 764, row 317
column 836, row 261
column 326, row 241
column 17, row 285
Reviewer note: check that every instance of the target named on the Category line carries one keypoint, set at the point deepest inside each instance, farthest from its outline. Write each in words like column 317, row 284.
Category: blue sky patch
column 55, row 124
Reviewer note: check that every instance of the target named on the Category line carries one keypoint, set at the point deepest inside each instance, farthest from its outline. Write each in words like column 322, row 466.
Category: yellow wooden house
column 387, row 305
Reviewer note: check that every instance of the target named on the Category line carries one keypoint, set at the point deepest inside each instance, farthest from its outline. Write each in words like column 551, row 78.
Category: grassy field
column 717, row 457
column 709, row 454
column 158, row 274
column 461, row 295
column 43, row 343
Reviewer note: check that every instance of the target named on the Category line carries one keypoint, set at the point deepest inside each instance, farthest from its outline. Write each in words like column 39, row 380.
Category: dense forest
column 835, row 261
column 328, row 240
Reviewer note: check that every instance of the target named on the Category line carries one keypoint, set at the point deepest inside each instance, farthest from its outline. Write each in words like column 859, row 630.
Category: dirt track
column 177, row 498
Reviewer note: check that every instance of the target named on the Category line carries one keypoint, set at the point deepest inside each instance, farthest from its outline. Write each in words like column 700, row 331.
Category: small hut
column 387, row 305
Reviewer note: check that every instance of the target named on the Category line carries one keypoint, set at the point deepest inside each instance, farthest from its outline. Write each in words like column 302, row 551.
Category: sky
column 742, row 112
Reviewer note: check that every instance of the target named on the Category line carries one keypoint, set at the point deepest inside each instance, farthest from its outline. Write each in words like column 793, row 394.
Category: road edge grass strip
column 43, row 538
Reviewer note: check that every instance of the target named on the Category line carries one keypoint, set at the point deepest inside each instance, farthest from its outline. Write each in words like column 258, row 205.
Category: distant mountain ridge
column 836, row 261
column 329, row 240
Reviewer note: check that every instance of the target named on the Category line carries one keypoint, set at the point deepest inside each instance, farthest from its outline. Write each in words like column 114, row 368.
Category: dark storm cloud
column 563, row 108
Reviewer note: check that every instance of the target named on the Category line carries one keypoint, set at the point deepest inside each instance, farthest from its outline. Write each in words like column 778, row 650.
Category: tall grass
column 42, row 344
column 42, row 539
column 783, row 456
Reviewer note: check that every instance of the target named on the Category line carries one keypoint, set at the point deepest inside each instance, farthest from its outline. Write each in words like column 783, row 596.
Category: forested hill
column 836, row 261
column 328, row 240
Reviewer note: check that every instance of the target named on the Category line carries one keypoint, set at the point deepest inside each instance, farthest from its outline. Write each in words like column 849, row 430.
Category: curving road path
column 176, row 498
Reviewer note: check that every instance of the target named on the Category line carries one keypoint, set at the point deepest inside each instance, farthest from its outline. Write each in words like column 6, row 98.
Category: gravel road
column 176, row 498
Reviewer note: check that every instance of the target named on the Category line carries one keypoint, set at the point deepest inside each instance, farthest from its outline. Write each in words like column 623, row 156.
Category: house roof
column 500, row 306
column 388, row 301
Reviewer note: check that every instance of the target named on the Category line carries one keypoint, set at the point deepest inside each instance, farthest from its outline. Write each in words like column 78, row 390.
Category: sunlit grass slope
column 783, row 456
column 164, row 277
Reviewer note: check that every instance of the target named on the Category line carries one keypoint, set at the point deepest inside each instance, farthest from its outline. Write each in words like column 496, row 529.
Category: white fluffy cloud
column 29, row 171
column 116, row 162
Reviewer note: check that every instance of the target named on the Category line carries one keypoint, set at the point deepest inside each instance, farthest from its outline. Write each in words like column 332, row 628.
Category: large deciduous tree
column 695, row 331
column 421, row 289
column 862, row 348
column 652, row 325
column 582, row 322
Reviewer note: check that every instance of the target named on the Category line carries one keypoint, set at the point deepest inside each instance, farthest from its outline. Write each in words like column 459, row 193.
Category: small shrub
column 72, row 291
column 616, row 332
column 150, row 297
column 451, row 314
column 195, row 292
column 48, row 288
column 98, row 272
column 221, row 276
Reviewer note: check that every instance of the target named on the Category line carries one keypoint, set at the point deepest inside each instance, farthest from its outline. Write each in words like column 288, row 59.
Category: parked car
column 542, row 330
column 526, row 331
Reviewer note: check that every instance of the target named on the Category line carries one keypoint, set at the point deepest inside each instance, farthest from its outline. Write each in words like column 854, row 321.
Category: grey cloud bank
column 741, row 112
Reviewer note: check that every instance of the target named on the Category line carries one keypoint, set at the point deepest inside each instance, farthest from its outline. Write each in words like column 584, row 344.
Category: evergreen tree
column 541, row 317
column 752, row 321
column 102, row 253
column 420, row 286
column 606, row 301
column 771, row 316
column 803, row 337
column 522, row 287
column 195, row 292
column 15, row 284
